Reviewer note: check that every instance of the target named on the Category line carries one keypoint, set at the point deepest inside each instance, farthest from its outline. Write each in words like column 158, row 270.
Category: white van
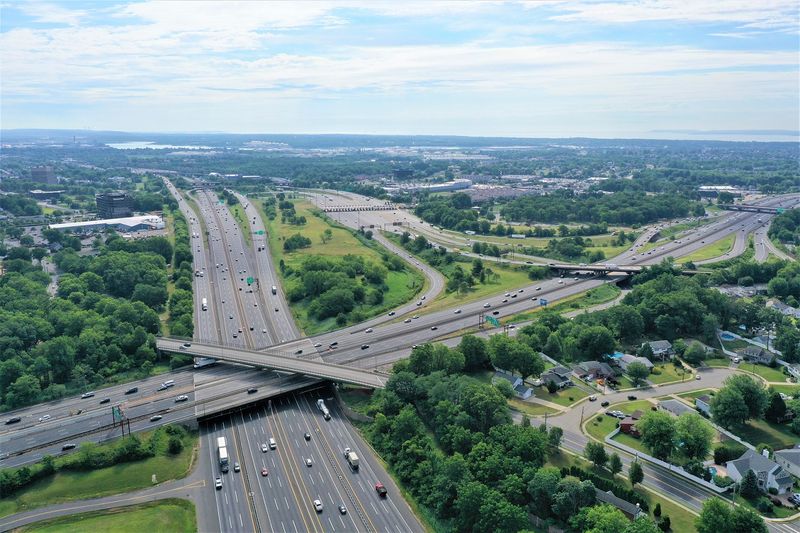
column 168, row 383
column 272, row 444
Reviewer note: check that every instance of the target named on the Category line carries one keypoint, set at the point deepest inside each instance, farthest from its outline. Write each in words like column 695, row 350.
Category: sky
column 645, row 68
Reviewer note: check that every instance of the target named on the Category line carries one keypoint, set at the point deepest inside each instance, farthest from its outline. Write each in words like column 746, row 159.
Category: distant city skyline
column 646, row 69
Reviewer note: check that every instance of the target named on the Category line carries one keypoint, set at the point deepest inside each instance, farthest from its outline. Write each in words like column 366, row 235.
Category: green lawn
column 693, row 395
column 779, row 512
column 710, row 251
column 355, row 398
column 530, row 409
column 173, row 515
column 791, row 390
column 565, row 397
column 668, row 373
column 770, row 374
column 776, row 435
column 244, row 224
column 71, row 485
column 624, row 383
column 718, row 362
column 598, row 295
column 601, row 425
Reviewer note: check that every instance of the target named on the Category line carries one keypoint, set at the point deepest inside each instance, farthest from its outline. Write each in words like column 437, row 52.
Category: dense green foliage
column 91, row 456
column 624, row 208
column 19, row 205
column 181, row 302
column 786, row 227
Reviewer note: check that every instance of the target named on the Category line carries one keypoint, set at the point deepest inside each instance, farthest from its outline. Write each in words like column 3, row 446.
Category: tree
column 694, row 434
column 717, row 516
column 658, row 430
column 635, row 473
column 638, row 373
column 695, row 354
column 542, row 488
column 599, row 519
column 728, row 408
column 596, row 453
column 743, row 520
column 476, row 355
column 326, row 236
column 23, row 391
column 175, row 445
column 644, row 524
column 749, row 485
column 572, row 494
column 776, row 408
column 595, row 341
column 615, row 464
column 753, row 392
column 554, row 437
column 505, row 388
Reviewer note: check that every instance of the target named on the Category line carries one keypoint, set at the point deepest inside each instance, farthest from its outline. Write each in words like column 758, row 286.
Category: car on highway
column 105, row 400
column 132, row 390
column 368, row 330
column 495, row 312
column 333, row 344
column 318, row 506
column 505, row 300
column 69, row 446
column 391, row 313
column 307, row 435
column 406, row 321
column 631, row 397
column 155, row 418
column 521, row 291
column 380, row 489
column 697, row 377
column 264, row 447
column 298, row 352
column 237, row 467
column 14, row 420
column 44, row 417
column 252, row 390
column 457, row 312
column 181, row 398
column 218, row 483
column 592, row 398
column 264, row 472
column 364, row 346
column 487, row 305
column 604, row 404
column 87, row 395
column 434, row 328
column 538, row 288
column 308, row 461
column 342, row 509
column 415, row 317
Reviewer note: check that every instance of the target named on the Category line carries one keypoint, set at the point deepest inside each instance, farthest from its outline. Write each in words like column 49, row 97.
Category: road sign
column 493, row 321
column 781, row 210
column 260, row 232
column 250, row 281
column 543, row 302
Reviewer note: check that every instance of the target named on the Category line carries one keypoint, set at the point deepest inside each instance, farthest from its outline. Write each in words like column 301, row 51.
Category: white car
column 487, row 305
column 368, row 330
column 406, row 321
column 218, row 483
column 457, row 312
column 264, row 447
column 44, row 417
column 318, row 506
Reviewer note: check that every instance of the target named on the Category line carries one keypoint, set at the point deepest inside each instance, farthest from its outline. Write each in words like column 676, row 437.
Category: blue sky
column 545, row 68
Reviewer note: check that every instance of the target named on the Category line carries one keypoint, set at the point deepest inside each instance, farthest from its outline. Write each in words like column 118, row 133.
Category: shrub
column 727, row 452
column 764, row 506
column 664, row 524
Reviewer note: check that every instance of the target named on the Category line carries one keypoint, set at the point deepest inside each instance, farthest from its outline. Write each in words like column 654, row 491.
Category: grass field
column 71, row 485
column 791, row 390
column 715, row 249
column 596, row 296
column 778, row 512
column 668, row 373
column 244, row 225
column 565, row 397
column 402, row 285
column 601, row 425
column 530, row 409
column 173, row 515
column 776, row 435
column 770, row 374
column 692, row 395
column 718, row 362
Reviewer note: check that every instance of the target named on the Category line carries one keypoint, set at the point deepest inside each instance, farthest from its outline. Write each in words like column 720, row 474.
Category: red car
column 380, row 489
column 264, row 472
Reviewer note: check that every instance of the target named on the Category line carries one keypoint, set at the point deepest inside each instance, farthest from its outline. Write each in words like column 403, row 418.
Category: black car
column 604, row 404
column 307, row 436
column 252, row 390
column 14, row 420
column 631, row 397
column 364, row 346
column 298, row 352
column 132, row 390
column 68, row 447
column 105, row 400
column 495, row 312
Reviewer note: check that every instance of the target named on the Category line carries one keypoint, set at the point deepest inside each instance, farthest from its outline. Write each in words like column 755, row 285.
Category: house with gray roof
column 675, row 407
column 627, row 359
column 520, row 389
column 756, row 354
column 703, row 404
column 768, row 473
column 593, row 370
column 661, row 349
column 631, row 510
column 558, row 375
column 789, row 460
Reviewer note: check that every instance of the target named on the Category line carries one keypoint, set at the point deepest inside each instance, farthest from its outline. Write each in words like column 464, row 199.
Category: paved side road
column 186, row 488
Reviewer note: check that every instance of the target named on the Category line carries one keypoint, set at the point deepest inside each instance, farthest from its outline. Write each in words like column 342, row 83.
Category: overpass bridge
column 563, row 268
column 359, row 208
column 752, row 208
column 280, row 362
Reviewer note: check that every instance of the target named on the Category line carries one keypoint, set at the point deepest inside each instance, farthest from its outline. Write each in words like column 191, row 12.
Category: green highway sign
column 250, row 281
column 493, row 321
column 260, row 232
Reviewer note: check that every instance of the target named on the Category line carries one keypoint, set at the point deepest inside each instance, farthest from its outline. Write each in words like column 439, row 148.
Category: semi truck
column 321, row 406
column 222, row 449
column 201, row 362
column 352, row 458
column 205, row 304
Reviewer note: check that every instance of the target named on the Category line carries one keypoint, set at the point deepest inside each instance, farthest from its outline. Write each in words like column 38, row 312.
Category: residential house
column 782, row 308
column 703, row 404
column 789, row 460
column 756, row 354
column 675, row 407
column 628, row 424
column 768, row 473
column 627, row 359
column 520, row 389
column 662, row 350
column 631, row 510
column 593, row 370
column 558, row 375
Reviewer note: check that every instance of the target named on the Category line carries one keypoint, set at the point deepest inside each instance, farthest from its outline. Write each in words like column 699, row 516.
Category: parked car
column 631, row 397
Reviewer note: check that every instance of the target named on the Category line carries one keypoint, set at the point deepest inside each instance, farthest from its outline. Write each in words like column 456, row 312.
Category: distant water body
column 138, row 145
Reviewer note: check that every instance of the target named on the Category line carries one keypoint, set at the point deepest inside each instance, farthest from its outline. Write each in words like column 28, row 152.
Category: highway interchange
column 225, row 260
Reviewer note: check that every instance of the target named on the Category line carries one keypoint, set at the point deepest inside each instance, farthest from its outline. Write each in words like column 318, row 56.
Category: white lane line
column 241, row 524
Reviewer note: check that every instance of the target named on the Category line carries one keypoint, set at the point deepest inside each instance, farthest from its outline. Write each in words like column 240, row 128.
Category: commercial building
column 43, row 174
column 125, row 225
column 114, row 205
column 455, row 185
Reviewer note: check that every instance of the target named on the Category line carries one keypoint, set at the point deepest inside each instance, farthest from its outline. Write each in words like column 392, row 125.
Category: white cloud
column 51, row 13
